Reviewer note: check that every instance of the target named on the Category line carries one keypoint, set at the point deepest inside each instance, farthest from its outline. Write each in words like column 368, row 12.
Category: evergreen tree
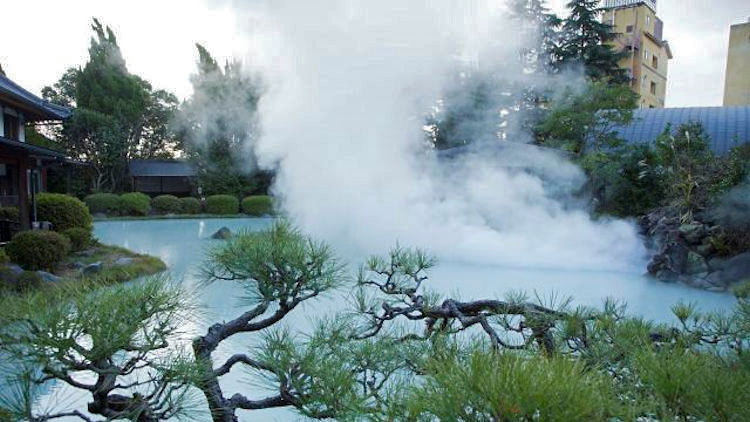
column 586, row 41
column 218, row 126
column 540, row 28
column 118, row 116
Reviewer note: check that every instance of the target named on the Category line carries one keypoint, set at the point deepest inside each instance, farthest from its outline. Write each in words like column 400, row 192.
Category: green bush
column 63, row 211
column 9, row 213
column 35, row 250
column 167, row 204
column 107, row 203
column 190, row 205
column 80, row 238
column 257, row 205
column 3, row 256
column 222, row 204
column 135, row 203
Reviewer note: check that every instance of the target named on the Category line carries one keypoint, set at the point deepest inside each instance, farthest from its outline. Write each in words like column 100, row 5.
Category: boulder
column 9, row 273
column 695, row 263
column 48, row 277
column 91, row 269
column 693, row 233
column 736, row 269
column 223, row 234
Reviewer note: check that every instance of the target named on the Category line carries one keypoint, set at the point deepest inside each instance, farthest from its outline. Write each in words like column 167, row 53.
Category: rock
column 48, row 277
column 9, row 273
column 223, row 233
column 86, row 252
column 122, row 262
column 75, row 265
column 736, row 269
column 704, row 250
column 695, row 263
column 717, row 264
column 94, row 268
column 692, row 233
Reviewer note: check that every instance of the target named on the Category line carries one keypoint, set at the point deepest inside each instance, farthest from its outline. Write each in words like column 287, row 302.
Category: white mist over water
column 348, row 85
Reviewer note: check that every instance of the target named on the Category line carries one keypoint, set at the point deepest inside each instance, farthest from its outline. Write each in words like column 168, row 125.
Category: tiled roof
column 161, row 168
column 725, row 126
column 43, row 109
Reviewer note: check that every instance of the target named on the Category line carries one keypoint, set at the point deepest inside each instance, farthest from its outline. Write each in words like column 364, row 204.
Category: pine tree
column 585, row 41
column 540, row 28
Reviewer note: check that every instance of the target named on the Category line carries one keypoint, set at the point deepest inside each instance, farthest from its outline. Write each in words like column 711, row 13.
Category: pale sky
column 42, row 38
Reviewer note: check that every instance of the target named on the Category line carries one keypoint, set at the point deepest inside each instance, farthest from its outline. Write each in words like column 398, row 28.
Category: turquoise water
column 182, row 244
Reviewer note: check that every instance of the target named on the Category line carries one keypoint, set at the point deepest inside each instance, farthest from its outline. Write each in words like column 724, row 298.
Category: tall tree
column 218, row 126
column 118, row 115
column 586, row 42
column 540, row 30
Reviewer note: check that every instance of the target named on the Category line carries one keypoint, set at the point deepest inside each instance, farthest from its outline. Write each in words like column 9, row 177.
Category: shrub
column 222, row 204
column 107, row 203
column 3, row 256
column 167, row 204
column 135, row 203
column 63, row 211
column 80, row 238
column 190, row 205
column 34, row 250
column 257, row 205
column 9, row 213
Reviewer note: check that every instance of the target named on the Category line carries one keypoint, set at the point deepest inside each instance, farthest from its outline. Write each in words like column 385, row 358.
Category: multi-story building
column 640, row 33
column 737, row 86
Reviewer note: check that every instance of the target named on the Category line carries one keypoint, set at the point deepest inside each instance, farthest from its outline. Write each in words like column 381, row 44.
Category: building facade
column 640, row 33
column 22, row 165
column 737, row 85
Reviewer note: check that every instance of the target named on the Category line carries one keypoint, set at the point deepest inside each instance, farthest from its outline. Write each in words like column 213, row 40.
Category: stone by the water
column 223, row 234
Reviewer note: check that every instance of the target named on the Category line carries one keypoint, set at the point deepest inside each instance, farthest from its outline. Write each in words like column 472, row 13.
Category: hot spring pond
column 181, row 244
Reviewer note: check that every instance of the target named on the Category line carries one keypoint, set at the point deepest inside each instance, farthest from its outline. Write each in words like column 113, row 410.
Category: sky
column 157, row 38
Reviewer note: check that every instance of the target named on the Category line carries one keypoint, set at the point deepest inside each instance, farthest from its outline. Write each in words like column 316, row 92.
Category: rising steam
column 349, row 85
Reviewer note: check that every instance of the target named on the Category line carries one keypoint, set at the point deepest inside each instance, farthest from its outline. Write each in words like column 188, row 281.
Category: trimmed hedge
column 167, row 204
column 135, row 203
column 107, row 203
column 9, row 213
column 222, row 204
column 80, row 238
column 38, row 250
column 63, row 211
column 190, row 205
column 257, row 205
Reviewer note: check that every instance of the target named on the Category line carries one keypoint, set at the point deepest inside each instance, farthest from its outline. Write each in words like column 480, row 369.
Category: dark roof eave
column 33, row 149
column 43, row 110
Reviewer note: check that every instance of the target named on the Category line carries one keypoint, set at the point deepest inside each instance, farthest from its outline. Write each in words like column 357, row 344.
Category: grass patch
column 111, row 272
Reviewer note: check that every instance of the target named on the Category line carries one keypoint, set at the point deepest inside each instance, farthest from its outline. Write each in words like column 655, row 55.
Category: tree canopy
column 118, row 116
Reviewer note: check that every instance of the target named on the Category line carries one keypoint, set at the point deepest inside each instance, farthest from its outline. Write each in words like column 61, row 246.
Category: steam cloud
column 349, row 83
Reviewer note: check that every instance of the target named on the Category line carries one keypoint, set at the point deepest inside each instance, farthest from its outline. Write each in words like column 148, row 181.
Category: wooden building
column 23, row 166
column 159, row 177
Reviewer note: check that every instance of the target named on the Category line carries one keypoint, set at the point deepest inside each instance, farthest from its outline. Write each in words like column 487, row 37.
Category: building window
column 653, row 88
column 648, row 21
column 655, row 62
column 11, row 125
column 629, row 28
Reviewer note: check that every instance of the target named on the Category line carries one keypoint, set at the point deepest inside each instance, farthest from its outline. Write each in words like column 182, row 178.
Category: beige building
column 639, row 32
column 737, row 86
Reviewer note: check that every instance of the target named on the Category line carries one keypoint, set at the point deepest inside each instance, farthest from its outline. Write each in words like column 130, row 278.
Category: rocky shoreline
column 691, row 252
